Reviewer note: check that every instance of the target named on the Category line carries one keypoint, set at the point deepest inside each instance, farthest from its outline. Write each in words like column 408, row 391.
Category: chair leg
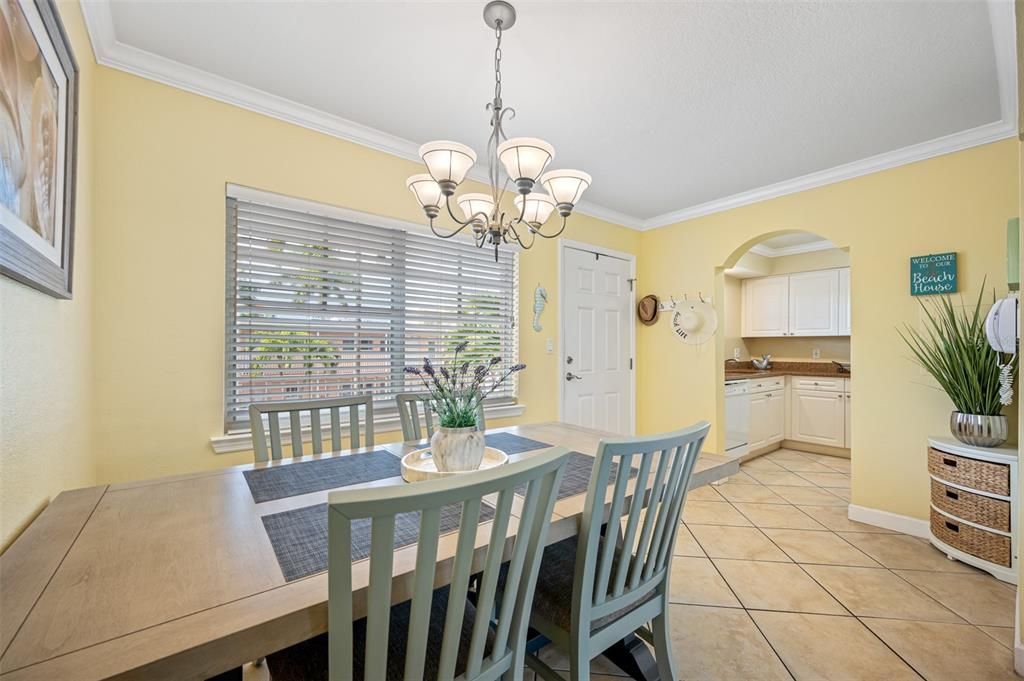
column 663, row 647
column 579, row 661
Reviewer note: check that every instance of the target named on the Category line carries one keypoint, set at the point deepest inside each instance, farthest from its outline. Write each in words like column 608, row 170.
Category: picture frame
column 38, row 147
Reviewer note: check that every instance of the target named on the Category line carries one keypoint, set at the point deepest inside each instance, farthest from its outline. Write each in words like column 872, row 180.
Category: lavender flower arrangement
column 456, row 392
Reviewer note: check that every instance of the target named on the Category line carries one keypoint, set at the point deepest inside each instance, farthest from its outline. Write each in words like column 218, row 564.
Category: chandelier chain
column 497, row 64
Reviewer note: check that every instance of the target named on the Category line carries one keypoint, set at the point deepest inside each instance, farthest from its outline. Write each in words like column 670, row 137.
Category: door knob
column 570, row 376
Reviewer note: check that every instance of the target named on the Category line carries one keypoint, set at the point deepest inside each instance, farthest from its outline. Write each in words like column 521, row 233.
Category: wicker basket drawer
column 995, row 548
column 994, row 513
column 960, row 470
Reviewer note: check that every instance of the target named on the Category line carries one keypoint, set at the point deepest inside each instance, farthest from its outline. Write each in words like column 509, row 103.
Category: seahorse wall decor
column 540, row 301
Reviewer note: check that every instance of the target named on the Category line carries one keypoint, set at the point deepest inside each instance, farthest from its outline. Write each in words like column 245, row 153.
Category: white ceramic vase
column 457, row 449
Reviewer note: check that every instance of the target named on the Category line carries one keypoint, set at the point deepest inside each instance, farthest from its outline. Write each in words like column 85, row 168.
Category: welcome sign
column 933, row 274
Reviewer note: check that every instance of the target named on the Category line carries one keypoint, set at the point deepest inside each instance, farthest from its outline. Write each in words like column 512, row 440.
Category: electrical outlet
column 736, row 354
column 816, row 353
column 550, row 346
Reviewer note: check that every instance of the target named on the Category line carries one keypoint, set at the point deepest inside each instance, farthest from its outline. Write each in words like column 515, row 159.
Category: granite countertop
column 742, row 370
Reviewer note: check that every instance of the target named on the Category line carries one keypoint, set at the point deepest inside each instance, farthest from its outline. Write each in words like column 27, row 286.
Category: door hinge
column 631, row 281
column 630, row 363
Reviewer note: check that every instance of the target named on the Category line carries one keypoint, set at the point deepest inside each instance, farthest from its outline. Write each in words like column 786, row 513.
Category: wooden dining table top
column 176, row 578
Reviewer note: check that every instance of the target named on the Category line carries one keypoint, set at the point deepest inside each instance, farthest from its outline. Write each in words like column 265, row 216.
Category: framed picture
column 38, row 125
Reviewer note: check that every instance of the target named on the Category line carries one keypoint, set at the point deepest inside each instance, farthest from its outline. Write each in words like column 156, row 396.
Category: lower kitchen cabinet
column 819, row 417
column 767, row 417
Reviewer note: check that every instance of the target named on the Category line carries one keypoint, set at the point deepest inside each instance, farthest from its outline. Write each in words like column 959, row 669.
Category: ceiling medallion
column 524, row 160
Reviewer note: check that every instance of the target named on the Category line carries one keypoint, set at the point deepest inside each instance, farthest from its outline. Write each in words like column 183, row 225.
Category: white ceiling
column 674, row 108
column 802, row 239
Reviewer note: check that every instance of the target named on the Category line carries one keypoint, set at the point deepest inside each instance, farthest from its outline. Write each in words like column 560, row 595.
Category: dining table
column 190, row 576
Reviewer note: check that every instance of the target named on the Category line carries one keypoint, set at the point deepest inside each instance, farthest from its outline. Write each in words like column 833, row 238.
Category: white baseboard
column 1018, row 658
column 890, row 521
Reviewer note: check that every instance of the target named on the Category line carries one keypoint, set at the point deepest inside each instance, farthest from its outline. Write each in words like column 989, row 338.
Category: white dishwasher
column 737, row 417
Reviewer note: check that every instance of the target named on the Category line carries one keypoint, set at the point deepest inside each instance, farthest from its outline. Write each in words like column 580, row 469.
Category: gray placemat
column 514, row 444
column 279, row 482
column 577, row 475
column 299, row 536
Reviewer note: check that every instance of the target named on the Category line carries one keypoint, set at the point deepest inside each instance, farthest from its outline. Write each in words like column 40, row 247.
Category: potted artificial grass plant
column 953, row 348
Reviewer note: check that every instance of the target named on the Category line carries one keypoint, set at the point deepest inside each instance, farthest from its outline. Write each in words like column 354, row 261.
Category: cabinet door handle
column 952, row 526
column 952, row 495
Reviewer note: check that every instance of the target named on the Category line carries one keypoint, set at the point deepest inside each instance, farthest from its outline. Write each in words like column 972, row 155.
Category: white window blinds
column 320, row 307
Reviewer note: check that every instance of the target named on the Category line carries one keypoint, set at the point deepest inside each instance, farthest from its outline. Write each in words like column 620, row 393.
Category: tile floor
column 771, row 580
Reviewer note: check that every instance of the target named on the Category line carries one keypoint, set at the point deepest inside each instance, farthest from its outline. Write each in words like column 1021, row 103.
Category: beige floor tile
column 704, row 493
column 979, row 599
column 1002, row 634
column 830, row 648
column 777, row 586
column 695, row 581
column 903, row 552
column 744, row 543
column 719, row 644
column 946, row 652
column 760, row 464
column 877, row 592
column 686, row 545
column 740, row 478
column 835, row 518
column 779, row 477
column 837, row 464
column 805, row 466
column 829, row 479
column 775, row 515
column 842, row 493
column 808, row 496
column 786, row 455
column 757, row 493
column 810, row 546
column 712, row 513
column 600, row 666
column 825, row 458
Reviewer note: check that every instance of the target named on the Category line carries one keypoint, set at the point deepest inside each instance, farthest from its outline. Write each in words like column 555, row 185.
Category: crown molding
column 109, row 51
column 769, row 252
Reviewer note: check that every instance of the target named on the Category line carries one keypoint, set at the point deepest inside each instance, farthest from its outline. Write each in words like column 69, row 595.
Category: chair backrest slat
column 295, row 411
column 409, row 405
column 642, row 562
column 540, row 474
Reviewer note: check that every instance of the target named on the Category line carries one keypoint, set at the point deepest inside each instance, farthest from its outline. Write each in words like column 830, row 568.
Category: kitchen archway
column 786, row 294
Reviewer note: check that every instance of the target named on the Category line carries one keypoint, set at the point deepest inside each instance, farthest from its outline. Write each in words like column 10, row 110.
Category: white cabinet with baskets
column 974, row 505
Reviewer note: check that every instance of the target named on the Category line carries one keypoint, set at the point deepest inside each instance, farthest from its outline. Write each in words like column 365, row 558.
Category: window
column 322, row 306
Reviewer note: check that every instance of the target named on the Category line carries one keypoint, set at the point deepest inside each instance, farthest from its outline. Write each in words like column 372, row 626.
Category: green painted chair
column 592, row 591
column 295, row 409
column 438, row 634
column 409, row 406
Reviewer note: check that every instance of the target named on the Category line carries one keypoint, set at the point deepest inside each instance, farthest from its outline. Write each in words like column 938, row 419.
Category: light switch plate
column 550, row 346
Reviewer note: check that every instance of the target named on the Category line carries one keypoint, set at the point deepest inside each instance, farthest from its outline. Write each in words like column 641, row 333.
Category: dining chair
column 409, row 405
column 608, row 582
column 438, row 633
column 295, row 410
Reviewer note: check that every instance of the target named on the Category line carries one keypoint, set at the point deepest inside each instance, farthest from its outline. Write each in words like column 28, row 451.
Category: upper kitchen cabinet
column 803, row 304
column 766, row 307
column 814, row 303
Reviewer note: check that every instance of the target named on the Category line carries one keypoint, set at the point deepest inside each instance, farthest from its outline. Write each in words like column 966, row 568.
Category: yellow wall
column 46, row 353
column 958, row 202
column 159, row 348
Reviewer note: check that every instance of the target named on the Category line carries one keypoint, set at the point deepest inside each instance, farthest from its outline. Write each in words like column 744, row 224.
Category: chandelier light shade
column 473, row 205
column 525, row 158
column 537, row 209
column 427, row 192
column 565, row 187
column 447, row 162
column 524, row 161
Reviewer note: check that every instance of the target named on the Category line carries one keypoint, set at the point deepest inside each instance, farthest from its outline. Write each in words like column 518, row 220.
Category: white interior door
column 596, row 374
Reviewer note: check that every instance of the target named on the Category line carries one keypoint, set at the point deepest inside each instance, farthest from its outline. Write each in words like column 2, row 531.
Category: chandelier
column 524, row 160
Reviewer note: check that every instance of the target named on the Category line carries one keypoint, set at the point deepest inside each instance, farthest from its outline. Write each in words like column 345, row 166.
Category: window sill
column 241, row 441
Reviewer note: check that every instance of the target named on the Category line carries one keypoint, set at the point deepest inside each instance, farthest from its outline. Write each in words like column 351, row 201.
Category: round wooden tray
column 419, row 465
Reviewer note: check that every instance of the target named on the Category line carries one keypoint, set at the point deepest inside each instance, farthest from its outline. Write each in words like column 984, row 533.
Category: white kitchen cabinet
column 844, row 301
column 765, row 308
column 775, row 420
column 803, row 304
column 819, row 417
column 814, row 303
column 758, row 434
column 767, row 412
column 847, row 438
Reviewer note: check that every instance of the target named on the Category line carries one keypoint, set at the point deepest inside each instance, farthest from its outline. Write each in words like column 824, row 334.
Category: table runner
column 299, row 536
column 279, row 482
column 577, row 474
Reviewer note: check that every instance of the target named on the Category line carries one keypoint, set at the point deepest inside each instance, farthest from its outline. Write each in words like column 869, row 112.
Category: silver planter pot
column 978, row 430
